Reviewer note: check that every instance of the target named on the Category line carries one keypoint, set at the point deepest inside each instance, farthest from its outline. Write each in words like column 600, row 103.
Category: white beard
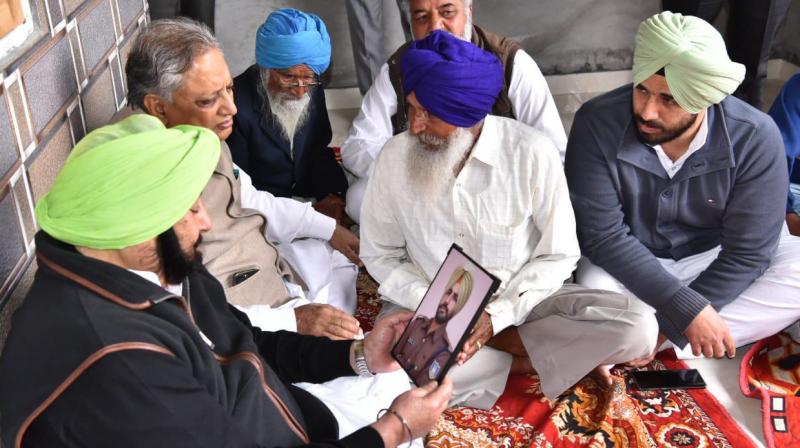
column 433, row 171
column 290, row 113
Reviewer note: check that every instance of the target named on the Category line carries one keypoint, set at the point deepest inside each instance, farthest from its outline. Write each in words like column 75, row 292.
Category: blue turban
column 290, row 37
column 453, row 79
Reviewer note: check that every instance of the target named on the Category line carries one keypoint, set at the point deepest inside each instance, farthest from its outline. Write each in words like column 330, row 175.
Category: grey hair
column 161, row 54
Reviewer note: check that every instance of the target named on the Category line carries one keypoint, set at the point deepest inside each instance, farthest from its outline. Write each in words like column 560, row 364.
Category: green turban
column 693, row 56
column 128, row 182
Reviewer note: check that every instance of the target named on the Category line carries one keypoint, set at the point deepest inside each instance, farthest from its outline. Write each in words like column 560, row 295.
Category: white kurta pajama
column 509, row 209
column 301, row 235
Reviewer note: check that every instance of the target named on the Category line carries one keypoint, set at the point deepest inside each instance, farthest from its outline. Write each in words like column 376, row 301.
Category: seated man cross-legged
column 177, row 72
column 679, row 191
column 281, row 134
column 496, row 188
column 126, row 340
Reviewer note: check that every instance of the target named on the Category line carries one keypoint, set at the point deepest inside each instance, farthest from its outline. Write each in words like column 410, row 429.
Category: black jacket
column 259, row 148
column 98, row 356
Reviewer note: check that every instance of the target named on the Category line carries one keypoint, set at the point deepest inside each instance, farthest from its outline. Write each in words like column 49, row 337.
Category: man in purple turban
column 495, row 187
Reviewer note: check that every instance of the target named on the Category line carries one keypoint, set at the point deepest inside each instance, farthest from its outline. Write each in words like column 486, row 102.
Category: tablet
column 444, row 319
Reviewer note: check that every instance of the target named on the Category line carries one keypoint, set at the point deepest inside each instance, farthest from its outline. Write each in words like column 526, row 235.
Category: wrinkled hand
column 318, row 319
column 793, row 222
column 482, row 332
column 378, row 343
column 347, row 243
column 333, row 206
column 420, row 407
column 708, row 334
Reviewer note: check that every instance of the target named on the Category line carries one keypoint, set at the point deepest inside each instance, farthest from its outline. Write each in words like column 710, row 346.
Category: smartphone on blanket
column 444, row 319
column 668, row 379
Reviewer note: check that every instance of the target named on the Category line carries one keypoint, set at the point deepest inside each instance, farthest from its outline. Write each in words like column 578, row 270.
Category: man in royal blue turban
column 281, row 133
column 495, row 187
column 786, row 113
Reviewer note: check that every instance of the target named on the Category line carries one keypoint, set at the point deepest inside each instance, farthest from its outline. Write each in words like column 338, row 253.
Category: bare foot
column 521, row 365
column 508, row 341
column 602, row 375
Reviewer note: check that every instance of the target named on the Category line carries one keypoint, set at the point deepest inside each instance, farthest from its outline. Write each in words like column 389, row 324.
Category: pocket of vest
column 241, row 276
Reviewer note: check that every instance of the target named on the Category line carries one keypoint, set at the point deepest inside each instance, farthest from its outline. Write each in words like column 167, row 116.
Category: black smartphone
column 668, row 379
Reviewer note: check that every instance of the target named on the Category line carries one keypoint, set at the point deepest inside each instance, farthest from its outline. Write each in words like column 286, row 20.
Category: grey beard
column 290, row 113
column 432, row 172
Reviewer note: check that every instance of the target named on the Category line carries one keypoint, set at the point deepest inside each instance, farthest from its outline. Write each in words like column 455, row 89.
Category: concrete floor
column 569, row 92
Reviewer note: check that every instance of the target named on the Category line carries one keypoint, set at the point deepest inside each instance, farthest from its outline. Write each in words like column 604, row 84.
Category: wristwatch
column 361, row 361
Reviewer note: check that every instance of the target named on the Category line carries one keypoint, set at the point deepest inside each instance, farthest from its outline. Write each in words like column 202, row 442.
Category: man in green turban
column 125, row 339
column 678, row 189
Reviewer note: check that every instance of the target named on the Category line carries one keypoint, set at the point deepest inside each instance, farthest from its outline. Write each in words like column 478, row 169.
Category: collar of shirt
column 697, row 142
column 485, row 148
column 153, row 277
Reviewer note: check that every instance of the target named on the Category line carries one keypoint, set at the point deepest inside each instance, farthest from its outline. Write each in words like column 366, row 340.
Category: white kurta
column 509, row 209
column 301, row 235
column 530, row 98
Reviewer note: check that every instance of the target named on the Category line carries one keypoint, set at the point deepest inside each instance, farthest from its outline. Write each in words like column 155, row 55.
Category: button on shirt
column 508, row 208
column 697, row 142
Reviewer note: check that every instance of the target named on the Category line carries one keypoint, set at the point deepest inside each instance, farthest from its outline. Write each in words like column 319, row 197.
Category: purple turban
column 453, row 79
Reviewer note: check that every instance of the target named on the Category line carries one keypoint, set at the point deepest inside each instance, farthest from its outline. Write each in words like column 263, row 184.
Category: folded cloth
column 290, row 37
column 452, row 78
column 692, row 53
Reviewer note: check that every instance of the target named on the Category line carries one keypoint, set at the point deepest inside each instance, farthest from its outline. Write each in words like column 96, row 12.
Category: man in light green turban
column 678, row 193
column 125, row 336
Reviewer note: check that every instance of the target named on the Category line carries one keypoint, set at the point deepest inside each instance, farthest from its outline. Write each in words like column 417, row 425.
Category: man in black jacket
column 125, row 339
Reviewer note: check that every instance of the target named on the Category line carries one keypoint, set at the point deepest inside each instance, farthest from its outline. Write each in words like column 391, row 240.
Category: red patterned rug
column 586, row 416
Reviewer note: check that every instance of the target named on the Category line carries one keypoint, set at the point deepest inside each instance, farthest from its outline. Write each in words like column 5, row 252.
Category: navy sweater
column 730, row 193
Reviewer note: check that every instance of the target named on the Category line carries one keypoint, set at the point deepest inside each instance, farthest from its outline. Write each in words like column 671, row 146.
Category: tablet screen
column 443, row 321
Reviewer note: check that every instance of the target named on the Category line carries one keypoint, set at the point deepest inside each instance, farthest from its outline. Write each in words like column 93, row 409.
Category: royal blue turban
column 453, row 79
column 290, row 37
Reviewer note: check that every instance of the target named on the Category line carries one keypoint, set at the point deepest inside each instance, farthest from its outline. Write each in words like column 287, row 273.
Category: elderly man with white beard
column 524, row 96
column 281, row 134
column 495, row 187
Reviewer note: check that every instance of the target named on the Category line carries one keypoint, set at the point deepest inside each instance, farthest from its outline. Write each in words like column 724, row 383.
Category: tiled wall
column 67, row 82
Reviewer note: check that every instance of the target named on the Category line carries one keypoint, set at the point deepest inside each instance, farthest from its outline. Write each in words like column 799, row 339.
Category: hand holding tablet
column 444, row 319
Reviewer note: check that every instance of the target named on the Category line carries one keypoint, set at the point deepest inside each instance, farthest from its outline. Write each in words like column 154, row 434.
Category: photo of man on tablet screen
column 428, row 347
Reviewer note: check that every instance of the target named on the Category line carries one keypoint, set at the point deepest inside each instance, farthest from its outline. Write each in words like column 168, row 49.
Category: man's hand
column 708, row 334
column 480, row 335
column 333, row 206
column 420, row 407
column 345, row 242
column 379, row 342
column 318, row 319
column 793, row 222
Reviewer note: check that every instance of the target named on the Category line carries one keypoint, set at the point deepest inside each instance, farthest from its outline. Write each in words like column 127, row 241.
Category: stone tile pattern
column 9, row 153
column 50, row 82
column 41, row 84
column 97, row 33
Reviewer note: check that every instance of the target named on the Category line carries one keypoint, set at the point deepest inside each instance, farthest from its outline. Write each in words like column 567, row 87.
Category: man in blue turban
column 495, row 187
column 786, row 113
column 281, row 133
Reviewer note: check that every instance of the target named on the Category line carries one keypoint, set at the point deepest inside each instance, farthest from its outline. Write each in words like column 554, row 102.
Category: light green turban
column 693, row 56
column 128, row 182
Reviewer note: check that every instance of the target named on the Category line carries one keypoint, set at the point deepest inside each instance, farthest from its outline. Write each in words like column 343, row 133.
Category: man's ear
column 155, row 106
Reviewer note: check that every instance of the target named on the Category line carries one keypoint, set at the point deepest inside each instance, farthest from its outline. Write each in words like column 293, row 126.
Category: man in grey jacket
column 678, row 194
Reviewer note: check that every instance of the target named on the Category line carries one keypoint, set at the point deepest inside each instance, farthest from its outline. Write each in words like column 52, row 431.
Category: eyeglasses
column 288, row 80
